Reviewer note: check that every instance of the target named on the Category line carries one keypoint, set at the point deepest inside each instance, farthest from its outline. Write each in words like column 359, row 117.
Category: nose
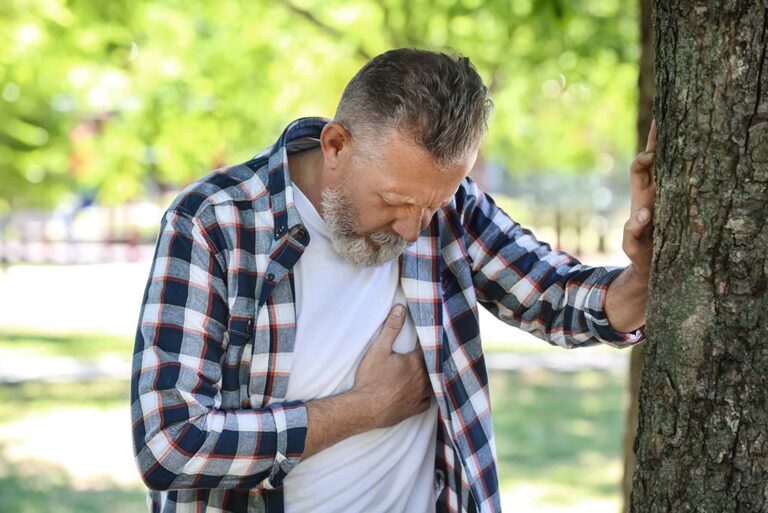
column 409, row 228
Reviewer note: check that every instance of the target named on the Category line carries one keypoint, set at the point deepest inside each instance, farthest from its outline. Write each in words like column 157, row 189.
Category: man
column 275, row 368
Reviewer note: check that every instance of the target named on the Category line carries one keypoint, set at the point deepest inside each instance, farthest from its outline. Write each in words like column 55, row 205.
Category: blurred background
column 108, row 108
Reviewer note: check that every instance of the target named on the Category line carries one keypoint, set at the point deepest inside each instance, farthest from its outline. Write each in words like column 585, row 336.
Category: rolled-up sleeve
column 527, row 284
column 182, row 436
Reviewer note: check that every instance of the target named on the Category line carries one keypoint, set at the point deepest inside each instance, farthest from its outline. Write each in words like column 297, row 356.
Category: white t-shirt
column 340, row 309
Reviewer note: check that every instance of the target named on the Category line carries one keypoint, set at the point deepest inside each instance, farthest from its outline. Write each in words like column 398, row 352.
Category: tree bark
column 646, row 96
column 702, row 440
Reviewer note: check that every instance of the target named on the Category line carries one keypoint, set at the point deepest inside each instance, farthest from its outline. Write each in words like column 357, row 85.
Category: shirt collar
column 286, row 216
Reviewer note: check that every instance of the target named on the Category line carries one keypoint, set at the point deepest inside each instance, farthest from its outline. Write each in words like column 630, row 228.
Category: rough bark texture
column 702, row 442
column 647, row 94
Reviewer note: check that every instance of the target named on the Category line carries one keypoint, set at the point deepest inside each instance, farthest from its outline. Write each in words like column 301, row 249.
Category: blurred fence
column 580, row 213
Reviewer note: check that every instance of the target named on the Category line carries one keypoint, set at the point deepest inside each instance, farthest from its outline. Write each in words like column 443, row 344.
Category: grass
column 560, row 432
column 90, row 346
column 40, row 487
column 558, row 435
column 21, row 399
column 84, row 346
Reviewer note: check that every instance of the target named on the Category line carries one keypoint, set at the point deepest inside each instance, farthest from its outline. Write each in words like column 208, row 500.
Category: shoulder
column 230, row 207
column 240, row 185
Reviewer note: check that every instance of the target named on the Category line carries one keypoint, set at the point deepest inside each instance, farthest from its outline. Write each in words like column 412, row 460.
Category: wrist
column 638, row 273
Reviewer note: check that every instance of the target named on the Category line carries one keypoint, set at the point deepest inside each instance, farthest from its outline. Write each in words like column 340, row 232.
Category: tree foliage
column 116, row 96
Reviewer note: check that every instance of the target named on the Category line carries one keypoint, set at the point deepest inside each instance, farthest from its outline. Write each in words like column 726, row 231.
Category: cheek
column 377, row 217
column 373, row 219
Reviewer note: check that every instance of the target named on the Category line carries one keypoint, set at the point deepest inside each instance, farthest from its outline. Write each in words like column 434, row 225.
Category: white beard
column 361, row 250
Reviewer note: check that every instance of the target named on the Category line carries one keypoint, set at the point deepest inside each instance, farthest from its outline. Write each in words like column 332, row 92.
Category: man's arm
column 527, row 284
column 550, row 293
column 182, row 437
column 626, row 300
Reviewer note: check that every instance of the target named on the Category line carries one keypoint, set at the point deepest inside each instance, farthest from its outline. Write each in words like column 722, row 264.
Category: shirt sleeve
column 182, row 437
column 527, row 284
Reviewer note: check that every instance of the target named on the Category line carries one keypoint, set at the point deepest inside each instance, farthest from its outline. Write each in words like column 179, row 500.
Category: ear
column 334, row 141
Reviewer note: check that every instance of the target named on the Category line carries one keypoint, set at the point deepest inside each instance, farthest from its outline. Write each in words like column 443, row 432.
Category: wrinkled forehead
column 405, row 167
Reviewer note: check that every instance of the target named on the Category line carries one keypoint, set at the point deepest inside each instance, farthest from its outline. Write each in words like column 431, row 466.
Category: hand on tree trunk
column 627, row 296
column 638, row 230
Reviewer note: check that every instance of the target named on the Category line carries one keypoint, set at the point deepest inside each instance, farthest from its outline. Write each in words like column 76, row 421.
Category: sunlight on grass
column 40, row 486
column 17, row 401
column 87, row 346
column 558, row 439
column 92, row 445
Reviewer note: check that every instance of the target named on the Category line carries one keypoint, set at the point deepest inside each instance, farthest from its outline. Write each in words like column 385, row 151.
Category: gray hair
column 437, row 99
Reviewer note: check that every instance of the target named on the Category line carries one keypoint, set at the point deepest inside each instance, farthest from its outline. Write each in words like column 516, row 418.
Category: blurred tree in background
column 119, row 99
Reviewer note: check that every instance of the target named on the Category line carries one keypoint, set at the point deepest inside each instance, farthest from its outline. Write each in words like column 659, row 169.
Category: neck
column 308, row 173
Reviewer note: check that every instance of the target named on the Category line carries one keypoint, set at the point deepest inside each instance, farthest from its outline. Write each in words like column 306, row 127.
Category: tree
column 702, row 442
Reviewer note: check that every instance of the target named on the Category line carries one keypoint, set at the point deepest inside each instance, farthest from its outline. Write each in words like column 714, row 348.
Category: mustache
column 386, row 238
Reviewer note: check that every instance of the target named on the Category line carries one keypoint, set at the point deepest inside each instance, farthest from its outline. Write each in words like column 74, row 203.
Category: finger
column 650, row 145
column 634, row 243
column 644, row 198
column 637, row 223
column 641, row 171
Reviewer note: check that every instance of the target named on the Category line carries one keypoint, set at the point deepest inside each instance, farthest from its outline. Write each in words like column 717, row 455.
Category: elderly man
column 309, row 339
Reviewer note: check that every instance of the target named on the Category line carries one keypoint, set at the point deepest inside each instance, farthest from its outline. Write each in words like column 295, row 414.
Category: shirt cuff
column 597, row 320
column 291, row 430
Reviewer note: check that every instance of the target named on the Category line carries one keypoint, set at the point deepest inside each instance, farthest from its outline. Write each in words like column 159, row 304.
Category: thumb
column 391, row 329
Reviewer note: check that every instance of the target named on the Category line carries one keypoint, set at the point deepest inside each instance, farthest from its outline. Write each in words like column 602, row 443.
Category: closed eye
column 410, row 203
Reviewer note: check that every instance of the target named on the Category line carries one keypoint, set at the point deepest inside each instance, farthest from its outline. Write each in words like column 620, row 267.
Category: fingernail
column 398, row 311
column 642, row 216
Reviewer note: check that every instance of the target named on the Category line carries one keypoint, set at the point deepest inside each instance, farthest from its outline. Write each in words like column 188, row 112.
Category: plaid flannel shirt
column 215, row 337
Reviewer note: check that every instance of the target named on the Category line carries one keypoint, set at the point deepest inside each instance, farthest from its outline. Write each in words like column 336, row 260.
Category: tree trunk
column 647, row 93
column 702, row 440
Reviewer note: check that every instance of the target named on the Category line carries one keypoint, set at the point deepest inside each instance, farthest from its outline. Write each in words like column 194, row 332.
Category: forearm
column 333, row 419
column 626, row 300
column 189, row 453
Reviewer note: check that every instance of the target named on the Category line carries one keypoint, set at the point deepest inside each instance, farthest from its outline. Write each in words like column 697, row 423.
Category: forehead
column 407, row 169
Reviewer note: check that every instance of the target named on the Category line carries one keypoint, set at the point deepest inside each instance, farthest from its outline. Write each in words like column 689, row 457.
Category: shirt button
column 271, row 276
column 245, row 403
column 301, row 234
